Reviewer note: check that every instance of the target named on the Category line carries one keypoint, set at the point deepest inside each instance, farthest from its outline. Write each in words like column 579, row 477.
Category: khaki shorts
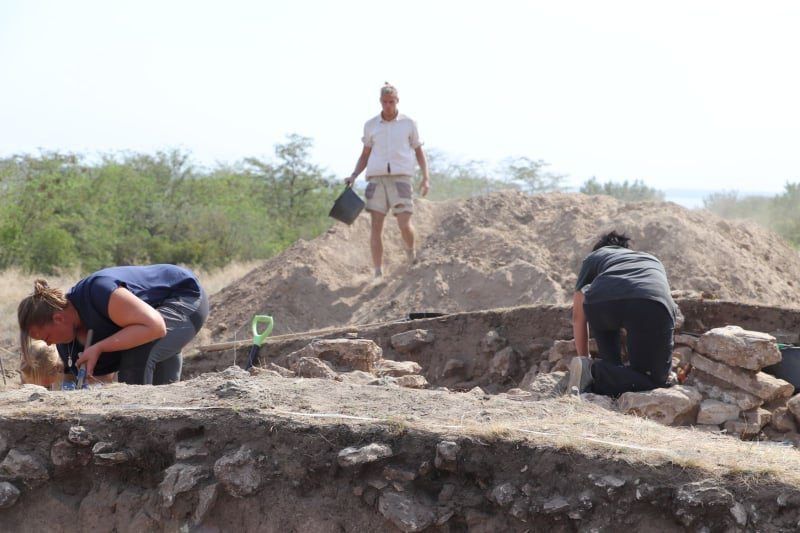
column 390, row 192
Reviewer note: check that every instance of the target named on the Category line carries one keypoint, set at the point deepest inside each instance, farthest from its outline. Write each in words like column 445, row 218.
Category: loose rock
column 408, row 341
column 25, row 467
column 447, row 455
column 80, row 436
column 206, row 498
column 366, row 454
column 716, row 389
column 343, row 354
column 405, row 512
column 412, row 382
column 504, row 363
column 312, row 367
column 760, row 384
column 674, row 406
column 735, row 346
column 716, row 412
column 386, row 367
column 238, row 473
column 492, row 342
column 504, row 494
column 179, row 478
column 9, row 494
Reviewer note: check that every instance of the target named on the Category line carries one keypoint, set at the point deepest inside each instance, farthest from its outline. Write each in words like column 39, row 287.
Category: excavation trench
column 230, row 451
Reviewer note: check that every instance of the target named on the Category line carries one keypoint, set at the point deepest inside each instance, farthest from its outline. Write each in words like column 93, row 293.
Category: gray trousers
column 160, row 362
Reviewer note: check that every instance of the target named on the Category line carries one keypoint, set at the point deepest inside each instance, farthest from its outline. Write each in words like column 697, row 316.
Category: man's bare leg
column 407, row 231
column 376, row 241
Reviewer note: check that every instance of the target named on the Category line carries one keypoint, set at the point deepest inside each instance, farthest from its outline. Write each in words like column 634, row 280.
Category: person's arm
column 140, row 324
column 361, row 164
column 580, row 327
column 425, row 185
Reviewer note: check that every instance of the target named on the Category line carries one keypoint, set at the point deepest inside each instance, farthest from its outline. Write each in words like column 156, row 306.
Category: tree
column 530, row 175
column 625, row 191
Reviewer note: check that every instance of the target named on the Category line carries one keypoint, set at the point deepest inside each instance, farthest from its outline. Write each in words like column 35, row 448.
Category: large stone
column 504, row 363
column 716, row 412
column 412, row 382
column 454, row 368
column 25, row 467
column 64, row 454
column 408, row 341
column 312, row 367
column 113, row 458
column 504, row 494
column 206, row 498
column 239, row 473
column 750, row 425
column 387, row 367
column 343, row 354
column 760, row 384
column 370, row 453
column 179, row 478
column 735, row 346
column 716, row 389
column 674, row 406
column 9, row 494
column 794, row 405
column 783, row 420
column 493, row 342
column 447, row 455
column 565, row 349
column 79, row 436
column 405, row 512
column 684, row 339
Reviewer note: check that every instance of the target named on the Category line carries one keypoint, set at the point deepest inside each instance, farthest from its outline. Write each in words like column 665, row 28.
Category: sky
column 682, row 94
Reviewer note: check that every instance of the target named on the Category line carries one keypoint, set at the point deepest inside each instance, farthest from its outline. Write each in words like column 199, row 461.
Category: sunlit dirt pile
column 501, row 250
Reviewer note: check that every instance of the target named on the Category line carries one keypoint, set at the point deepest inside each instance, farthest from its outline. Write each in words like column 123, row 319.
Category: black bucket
column 347, row 207
column 789, row 367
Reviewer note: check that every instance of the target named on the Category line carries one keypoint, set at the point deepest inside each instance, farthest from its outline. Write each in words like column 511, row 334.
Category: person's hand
column 424, row 187
column 89, row 358
column 350, row 180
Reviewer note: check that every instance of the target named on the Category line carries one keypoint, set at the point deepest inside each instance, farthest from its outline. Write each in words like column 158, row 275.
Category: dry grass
column 568, row 424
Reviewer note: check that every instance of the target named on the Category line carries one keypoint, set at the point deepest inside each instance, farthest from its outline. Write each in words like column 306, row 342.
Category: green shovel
column 258, row 338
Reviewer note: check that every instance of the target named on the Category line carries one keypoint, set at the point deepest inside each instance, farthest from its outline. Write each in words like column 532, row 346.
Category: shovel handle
column 258, row 338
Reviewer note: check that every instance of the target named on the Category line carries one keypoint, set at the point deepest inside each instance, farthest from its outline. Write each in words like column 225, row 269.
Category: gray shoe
column 580, row 375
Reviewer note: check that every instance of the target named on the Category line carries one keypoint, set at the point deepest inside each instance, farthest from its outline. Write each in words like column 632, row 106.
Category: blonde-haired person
column 41, row 365
column 391, row 145
column 141, row 316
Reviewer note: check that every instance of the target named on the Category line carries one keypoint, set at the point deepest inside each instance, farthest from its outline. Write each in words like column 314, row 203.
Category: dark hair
column 612, row 239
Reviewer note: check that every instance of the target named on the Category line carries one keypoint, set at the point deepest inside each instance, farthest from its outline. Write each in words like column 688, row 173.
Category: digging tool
column 258, row 338
column 82, row 370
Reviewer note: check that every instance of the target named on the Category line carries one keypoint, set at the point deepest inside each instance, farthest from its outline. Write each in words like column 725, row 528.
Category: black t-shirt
column 616, row 273
column 90, row 296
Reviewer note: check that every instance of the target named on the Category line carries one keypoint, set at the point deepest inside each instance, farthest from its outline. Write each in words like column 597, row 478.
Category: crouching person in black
column 620, row 288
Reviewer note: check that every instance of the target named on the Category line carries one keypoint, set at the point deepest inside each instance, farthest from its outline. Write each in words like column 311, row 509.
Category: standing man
column 620, row 288
column 391, row 143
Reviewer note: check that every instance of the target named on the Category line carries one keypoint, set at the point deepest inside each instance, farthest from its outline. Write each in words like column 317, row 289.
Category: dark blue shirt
column 616, row 273
column 153, row 284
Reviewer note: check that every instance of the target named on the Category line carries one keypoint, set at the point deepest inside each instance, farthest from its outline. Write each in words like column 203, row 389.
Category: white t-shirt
column 393, row 143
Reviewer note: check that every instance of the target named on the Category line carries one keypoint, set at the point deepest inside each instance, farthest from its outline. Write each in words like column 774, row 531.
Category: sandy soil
column 500, row 250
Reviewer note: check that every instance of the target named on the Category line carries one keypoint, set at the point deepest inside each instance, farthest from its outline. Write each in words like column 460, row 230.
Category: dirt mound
column 501, row 250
